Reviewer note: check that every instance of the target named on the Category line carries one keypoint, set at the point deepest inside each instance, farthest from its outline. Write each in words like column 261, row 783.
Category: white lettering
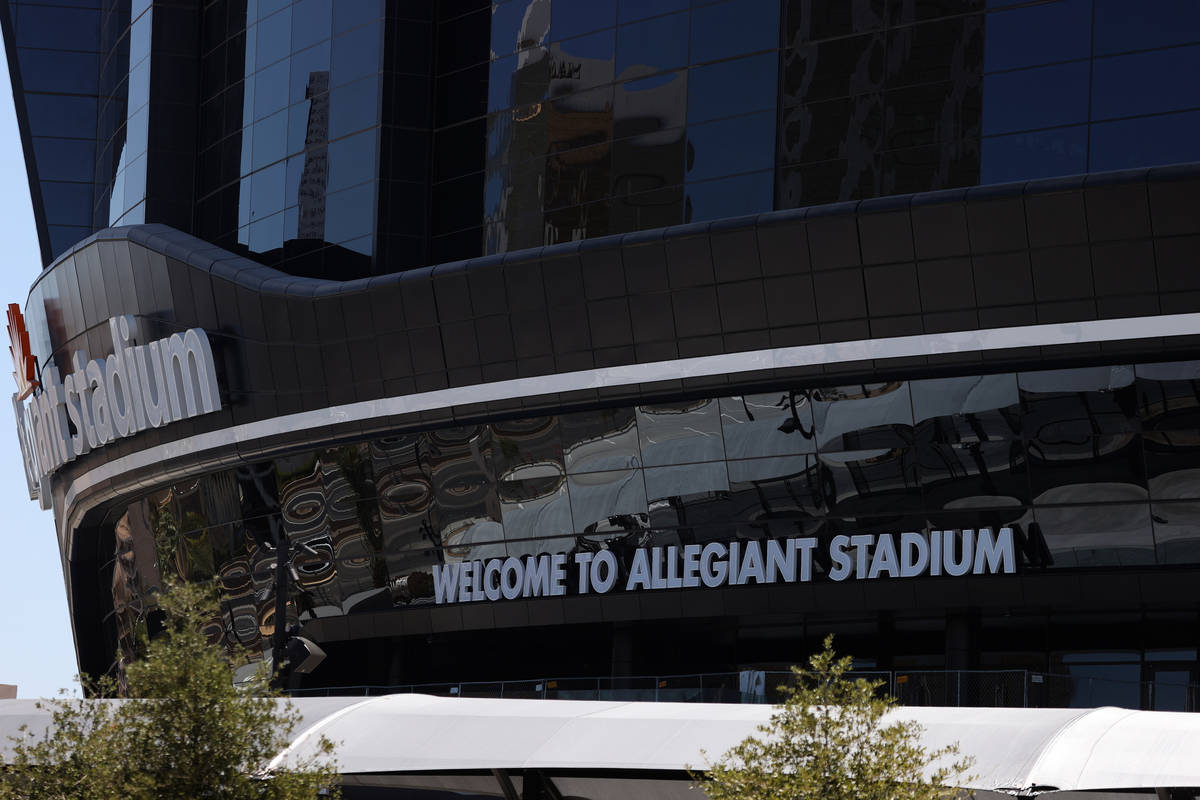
column 884, row 558
column 558, row 574
column 735, row 562
column 995, row 553
column 914, row 555
column 445, row 583
column 639, row 571
column 119, row 395
column 711, row 574
column 806, row 546
column 491, row 579
column 604, row 571
column 537, row 576
column 691, row 565
column 752, row 563
column 511, row 578
column 582, row 559
column 842, row 563
column 958, row 566
column 781, row 561
column 657, row 579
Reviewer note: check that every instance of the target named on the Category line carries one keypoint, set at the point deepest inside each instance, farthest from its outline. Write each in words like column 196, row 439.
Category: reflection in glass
column 729, row 197
column 535, row 509
column 777, row 423
column 518, row 25
column 986, row 472
column 1098, row 535
column 1176, row 532
column 600, row 440
column 862, row 416
column 734, row 28
column 1056, row 454
column 870, row 481
column 1037, row 154
column 684, row 496
column 652, row 46
column 1148, row 141
column 679, row 433
column 600, row 500
column 467, row 510
column 976, row 407
column 1041, row 97
column 779, row 488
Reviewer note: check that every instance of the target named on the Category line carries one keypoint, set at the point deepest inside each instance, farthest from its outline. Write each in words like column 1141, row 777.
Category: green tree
column 184, row 730
column 831, row 739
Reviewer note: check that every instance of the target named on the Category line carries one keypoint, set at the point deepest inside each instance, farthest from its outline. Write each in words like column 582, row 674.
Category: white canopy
column 1025, row 750
column 1016, row 750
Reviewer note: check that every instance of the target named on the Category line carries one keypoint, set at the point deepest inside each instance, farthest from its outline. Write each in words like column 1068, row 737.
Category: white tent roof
column 1016, row 750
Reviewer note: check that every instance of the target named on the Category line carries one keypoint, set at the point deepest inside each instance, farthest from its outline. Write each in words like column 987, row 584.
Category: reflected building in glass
column 491, row 282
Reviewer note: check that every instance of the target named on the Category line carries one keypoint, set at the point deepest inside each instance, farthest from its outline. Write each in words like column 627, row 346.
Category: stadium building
column 606, row 338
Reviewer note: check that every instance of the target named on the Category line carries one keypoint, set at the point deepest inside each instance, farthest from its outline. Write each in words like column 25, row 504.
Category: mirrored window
column 1041, row 97
column 1144, row 83
column 734, row 28
column 652, row 46
column 1098, row 535
column 729, row 197
column 606, row 439
column 1036, row 154
column 732, row 87
column 862, row 415
column 573, row 19
column 680, row 433
column 776, row 423
column 1176, row 532
column 603, row 500
column 969, row 408
column 1038, row 34
column 1145, row 141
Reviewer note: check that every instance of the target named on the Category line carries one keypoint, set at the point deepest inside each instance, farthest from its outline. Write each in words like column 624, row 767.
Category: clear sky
column 36, row 650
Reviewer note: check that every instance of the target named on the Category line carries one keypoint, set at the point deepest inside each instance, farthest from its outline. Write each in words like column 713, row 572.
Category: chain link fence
column 971, row 688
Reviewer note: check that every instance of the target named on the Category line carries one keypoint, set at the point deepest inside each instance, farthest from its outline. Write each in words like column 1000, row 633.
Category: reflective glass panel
column 679, row 433
column 1145, row 83
column 652, row 46
column 1098, row 535
column 1036, row 98
column 600, row 440
column 1037, row 154
column 734, row 28
column 1037, row 34
column 600, row 499
column 862, row 416
column 776, row 423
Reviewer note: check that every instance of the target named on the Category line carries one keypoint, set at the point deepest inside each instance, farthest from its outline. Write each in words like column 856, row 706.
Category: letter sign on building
column 100, row 401
column 863, row 557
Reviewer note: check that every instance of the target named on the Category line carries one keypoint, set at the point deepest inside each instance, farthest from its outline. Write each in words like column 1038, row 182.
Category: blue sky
column 36, row 651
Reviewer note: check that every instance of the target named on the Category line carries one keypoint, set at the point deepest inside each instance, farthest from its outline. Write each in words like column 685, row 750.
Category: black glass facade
column 881, row 98
column 1093, row 467
column 431, row 242
column 371, row 137
column 56, row 52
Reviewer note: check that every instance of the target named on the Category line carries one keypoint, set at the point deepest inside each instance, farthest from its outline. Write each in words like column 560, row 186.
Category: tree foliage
column 831, row 739
column 184, row 729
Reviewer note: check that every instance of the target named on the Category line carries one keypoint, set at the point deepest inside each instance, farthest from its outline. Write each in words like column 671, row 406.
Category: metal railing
column 970, row 688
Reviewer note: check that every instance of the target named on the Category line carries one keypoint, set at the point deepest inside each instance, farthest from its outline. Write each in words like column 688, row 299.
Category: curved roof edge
column 212, row 258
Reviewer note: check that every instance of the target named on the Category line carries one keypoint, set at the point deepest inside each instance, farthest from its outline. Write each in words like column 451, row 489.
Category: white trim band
column 928, row 344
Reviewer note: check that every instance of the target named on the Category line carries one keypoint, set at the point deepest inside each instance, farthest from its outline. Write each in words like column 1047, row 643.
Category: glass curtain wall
column 1094, row 467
